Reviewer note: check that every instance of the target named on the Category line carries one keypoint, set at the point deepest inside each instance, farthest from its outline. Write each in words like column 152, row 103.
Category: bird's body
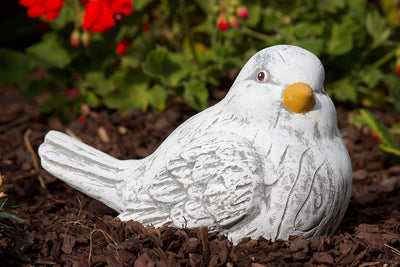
column 255, row 164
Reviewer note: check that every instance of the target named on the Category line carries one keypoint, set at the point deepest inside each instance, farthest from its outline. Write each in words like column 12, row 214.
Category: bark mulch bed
column 62, row 227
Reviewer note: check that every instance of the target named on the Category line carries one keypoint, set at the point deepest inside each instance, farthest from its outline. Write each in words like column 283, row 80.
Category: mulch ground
column 62, row 227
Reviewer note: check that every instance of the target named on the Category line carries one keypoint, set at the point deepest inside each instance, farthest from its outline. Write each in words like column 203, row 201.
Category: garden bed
column 62, row 227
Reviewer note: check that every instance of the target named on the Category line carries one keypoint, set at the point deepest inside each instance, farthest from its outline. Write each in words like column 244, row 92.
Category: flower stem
column 77, row 9
column 256, row 35
column 187, row 30
column 385, row 58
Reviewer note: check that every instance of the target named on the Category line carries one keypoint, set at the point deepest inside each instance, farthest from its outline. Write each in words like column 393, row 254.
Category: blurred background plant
column 3, row 214
column 126, row 55
column 382, row 135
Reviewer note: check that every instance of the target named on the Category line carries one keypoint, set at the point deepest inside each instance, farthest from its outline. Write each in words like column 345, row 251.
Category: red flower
column 222, row 24
column 146, row 27
column 398, row 66
column 98, row 17
column 375, row 136
column 82, row 119
column 233, row 22
column 242, row 12
column 100, row 14
column 47, row 8
column 123, row 46
column 120, row 7
column 72, row 92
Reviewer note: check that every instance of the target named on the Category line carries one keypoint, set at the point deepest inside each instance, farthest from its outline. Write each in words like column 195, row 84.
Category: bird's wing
column 214, row 181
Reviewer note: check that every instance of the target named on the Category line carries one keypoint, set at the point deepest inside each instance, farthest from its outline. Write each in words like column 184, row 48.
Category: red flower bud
column 222, row 24
column 47, row 8
column 119, row 17
column 233, row 22
column 75, row 37
column 85, row 38
column 242, row 12
column 123, row 46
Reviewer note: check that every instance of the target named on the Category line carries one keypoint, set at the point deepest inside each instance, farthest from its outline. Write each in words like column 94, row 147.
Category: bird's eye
column 261, row 76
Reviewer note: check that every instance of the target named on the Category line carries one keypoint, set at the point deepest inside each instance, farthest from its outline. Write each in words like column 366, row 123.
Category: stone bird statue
column 267, row 160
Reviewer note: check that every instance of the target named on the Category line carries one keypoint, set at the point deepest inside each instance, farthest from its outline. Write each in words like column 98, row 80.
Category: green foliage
column 49, row 52
column 157, row 97
column 377, row 28
column 185, row 54
column 61, row 107
column 169, row 67
column 389, row 144
column 195, row 94
column 5, row 215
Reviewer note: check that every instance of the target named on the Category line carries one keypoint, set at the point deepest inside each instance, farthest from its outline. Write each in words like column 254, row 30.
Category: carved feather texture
column 248, row 166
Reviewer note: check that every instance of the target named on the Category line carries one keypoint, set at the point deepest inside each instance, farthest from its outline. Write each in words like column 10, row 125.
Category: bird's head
column 283, row 82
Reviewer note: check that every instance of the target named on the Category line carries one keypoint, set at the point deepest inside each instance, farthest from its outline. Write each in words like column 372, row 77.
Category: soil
column 63, row 227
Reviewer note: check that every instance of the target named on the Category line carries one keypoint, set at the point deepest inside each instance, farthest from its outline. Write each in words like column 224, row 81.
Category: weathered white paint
column 246, row 166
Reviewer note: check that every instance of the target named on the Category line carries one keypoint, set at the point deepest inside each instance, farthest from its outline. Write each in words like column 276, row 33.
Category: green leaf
column 4, row 226
column 341, row 39
column 206, row 6
column 157, row 97
column 393, row 83
column 331, row 6
column 165, row 6
column 60, row 107
column 15, row 67
column 377, row 27
column 139, row 5
column 32, row 87
column 130, row 93
column 135, row 56
column 5, row 215
column 314, row 45
column 49, row 53
column 170, row 67
column 98, row 82
column 3, row 202
column 357, row 8
column 371, row 75
column 392, row 153
column 92, row 99
column 272, row 19
column 380, row 129
column 308, row 29
column 65, row 16
column 389, row 144
column 344, row 90
column 195, row 94
column 254, row 14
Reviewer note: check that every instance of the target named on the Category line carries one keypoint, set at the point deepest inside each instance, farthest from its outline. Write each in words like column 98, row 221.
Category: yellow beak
column 298, row 98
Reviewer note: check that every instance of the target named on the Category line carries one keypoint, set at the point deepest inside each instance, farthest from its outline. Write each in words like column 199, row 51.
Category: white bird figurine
column 267, row 160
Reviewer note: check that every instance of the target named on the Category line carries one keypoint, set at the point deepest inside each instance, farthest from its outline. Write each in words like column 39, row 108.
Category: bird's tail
column 84, row 168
